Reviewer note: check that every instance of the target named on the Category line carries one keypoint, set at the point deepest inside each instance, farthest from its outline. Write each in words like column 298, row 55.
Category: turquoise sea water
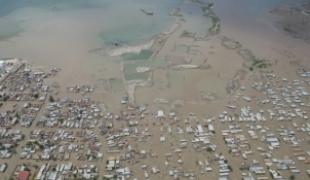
column 250, row 10
column 130, row 25
column 123, row 21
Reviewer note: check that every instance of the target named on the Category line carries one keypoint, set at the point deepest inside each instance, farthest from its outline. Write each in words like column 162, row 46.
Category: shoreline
column 149, row 44
column 130, row 49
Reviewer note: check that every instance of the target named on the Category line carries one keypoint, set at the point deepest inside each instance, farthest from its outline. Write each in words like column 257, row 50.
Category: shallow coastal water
column 251, row 23
column 117, row 21
column 10, row 29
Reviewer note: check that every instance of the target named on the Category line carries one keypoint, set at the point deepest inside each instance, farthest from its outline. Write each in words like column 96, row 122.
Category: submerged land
column 189, row 89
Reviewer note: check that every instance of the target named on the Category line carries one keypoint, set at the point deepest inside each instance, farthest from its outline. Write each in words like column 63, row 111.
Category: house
column 160, row 114
column 273, row 141
column 3, row 167
column 23, row 175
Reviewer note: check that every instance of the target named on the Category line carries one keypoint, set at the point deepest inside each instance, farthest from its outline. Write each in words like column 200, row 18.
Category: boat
column 149, row 13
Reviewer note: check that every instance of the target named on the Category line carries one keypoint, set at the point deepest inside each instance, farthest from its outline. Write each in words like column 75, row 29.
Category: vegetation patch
column 143, row 55
column 187, row 34
column 230, row 43
column 253, row 62
column 130, row 72
column 208, row 12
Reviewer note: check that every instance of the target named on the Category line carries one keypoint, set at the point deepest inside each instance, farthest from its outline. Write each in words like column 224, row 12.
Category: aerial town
column 148, row 90
column 262, row 133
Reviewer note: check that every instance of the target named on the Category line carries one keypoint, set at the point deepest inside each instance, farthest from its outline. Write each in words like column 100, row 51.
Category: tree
column 230, row 168
column 51, row 99
column 292, row 177
column 36, row 95
column 209, row 149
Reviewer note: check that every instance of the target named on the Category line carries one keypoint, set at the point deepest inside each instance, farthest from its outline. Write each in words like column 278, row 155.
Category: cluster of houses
column 62, row 145
column 24, row 84
column 22, row 115
column 83, row 89
column 9, row 140
column 73, row 114
column 8, row 66
column 55, row 171
column 279, row 120
column 130, row 143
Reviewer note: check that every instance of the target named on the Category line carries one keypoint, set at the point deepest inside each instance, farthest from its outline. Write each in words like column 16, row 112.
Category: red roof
column 23, row 175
